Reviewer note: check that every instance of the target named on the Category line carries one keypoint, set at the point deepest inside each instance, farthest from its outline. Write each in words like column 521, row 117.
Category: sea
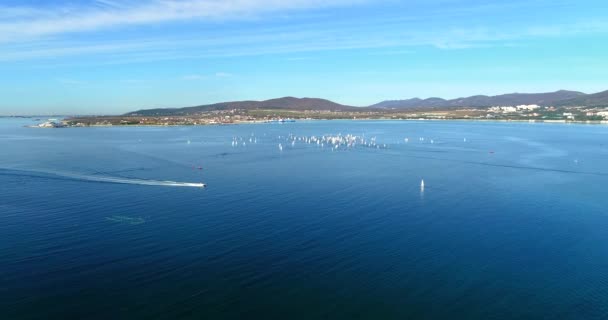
column 305, row 220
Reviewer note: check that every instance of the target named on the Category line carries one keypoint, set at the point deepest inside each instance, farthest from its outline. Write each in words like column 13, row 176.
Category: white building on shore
column 528, row 107
column 504, row 109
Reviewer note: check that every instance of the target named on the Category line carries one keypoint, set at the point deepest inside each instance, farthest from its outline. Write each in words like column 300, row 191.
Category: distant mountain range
column 286, row 103
column 557, row 98
column 596, row 99
column 511, row 99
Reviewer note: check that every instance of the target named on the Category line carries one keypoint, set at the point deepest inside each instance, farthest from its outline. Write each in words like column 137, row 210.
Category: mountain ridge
column 595, row 99
column 284, row 103
column 556, row 98
column 544, row 99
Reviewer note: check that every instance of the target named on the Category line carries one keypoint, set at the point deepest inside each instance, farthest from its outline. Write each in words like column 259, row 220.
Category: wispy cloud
column 265, row 42
column 30, row 33
column 195, row 77
column 25, row 23
column 299, row 58
column 392, row 52
column 192, row 77
column 133, row 81
column 69, row 81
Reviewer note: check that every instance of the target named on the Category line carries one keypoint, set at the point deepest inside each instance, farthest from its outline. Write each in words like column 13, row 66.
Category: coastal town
column 532, row 113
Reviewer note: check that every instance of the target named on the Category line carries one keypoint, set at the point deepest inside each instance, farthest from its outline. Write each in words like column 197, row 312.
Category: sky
column 115, row 56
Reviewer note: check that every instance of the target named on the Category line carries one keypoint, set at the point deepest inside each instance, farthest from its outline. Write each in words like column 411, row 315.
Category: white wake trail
column 141, row 181
column 118, row 180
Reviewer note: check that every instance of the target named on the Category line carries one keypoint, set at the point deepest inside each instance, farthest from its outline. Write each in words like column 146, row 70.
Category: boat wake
column 100, row 179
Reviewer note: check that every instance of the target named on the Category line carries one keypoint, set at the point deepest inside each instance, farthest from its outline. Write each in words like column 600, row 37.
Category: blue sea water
column 512, row 223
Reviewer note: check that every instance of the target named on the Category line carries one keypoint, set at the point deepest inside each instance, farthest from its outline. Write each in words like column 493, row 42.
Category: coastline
column 595, row 122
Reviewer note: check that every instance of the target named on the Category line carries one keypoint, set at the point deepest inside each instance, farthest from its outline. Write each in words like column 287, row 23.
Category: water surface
column 512, row 222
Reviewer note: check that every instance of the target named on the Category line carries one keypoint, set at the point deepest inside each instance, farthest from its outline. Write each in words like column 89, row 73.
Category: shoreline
column 604, row 122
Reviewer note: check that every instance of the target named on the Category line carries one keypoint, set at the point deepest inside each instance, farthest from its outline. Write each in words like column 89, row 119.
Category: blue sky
column 113, row 56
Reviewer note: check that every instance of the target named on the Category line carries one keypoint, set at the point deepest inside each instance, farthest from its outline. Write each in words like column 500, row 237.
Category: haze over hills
column 557, row 98
column 285, row 103
column 511, row 99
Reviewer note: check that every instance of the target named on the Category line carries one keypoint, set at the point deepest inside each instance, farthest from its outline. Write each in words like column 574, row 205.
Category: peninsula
column 561, row 105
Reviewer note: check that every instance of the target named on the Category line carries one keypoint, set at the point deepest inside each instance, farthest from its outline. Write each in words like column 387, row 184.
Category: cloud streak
column 196, row 77
column 25, row 23
column 262, row 41
column 36, row 34
column 192, row 77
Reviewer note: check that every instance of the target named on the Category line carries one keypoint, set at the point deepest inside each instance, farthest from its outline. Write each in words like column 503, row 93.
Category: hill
column 545, row 99
column 286, row 103
column 589, row 100
column 557, row 98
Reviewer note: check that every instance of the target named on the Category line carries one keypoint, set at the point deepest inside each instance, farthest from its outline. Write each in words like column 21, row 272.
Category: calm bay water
column 512, row 223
